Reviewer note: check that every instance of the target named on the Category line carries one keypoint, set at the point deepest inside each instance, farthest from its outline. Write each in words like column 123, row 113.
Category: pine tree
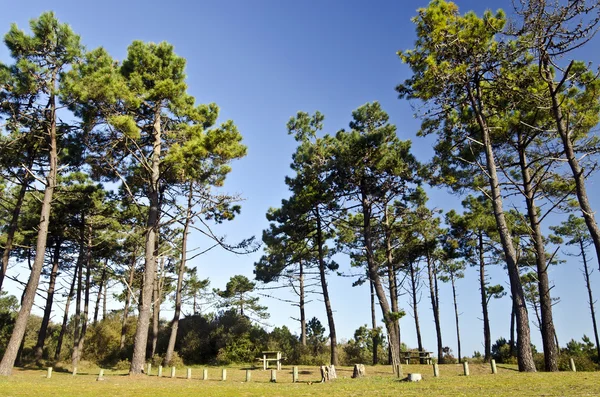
column 40, row 59
column 453, row 64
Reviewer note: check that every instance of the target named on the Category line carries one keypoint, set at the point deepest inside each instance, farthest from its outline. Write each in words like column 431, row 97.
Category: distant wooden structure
column 423, row 357
column 270, row 356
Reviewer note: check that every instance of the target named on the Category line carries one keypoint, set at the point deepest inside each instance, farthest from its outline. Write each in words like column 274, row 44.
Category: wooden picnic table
column 270, row 356
column 423, row 357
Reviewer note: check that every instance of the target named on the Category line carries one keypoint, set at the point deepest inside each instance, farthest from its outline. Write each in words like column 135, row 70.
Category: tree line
column 514, row 128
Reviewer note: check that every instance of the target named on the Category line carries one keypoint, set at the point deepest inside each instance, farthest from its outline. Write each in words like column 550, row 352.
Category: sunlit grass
column 380, row 381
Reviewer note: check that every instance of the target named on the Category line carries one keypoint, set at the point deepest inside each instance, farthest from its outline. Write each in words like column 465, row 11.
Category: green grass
column 380, row 381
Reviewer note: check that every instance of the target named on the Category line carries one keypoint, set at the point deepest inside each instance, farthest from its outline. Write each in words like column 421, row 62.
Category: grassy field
column 380, row 381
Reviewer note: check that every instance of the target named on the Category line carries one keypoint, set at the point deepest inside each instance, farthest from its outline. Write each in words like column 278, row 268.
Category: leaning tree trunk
column 332, row 333
column 127, row 300
column 547, row 322
column 487, row 337
column 141, row 333
column 389, row 317
column 525, row 354
column 175, row 322
column 433, row 294
column 12, row 348
column 39, row 347
column 63, row 328
column 565, row 136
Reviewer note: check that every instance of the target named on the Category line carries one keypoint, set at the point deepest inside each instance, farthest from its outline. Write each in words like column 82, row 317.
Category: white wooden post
column 189, row 374
column 248, row 375
column 494, row 369
column 224, row 374
column 49, row 374
column 205, row 374
column 159, row 371
column 466, row 368
column 149, row 368
column 295, row 375
column 436, row 370
column 273, row 375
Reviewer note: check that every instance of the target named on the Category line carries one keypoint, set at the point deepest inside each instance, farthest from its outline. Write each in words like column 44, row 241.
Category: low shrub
column 122, row 365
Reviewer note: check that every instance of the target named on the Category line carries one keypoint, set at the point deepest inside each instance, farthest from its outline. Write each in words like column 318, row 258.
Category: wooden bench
column 423, row 357
column 270, row 356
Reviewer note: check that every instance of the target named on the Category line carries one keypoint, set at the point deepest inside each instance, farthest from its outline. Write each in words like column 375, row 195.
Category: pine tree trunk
column 487, row 338
column 77, row 318
column 39, row 347
column 12, row 348
column 433, row 294
column 100, row 290
column 547, row 322
column 513, row 316
column 302, row 311
column 388, row 316
column 525, row 354
column 79, row 341
column 391, row 274
column 63, row 328
column 578, row 174
column 182, row 264
column 415, row 301
column 588, row 285
column 141, row 333
column 14, row 220
column 331, row 323
column 104, row 303
column 158, row 283
column 127, row 300
column 456, row 317
column 374, row 324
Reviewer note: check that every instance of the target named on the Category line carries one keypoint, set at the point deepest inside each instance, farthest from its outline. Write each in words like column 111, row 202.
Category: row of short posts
column 397, row 371
column 204, row 373
column 436, row 368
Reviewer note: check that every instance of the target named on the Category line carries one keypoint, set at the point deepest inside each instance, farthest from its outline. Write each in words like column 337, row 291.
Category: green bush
column 122, row 365
column 176, row 361
column 501, row 352
column 582, row 363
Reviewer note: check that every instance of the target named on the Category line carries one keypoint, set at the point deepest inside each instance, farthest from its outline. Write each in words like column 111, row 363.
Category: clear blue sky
column 261, row 62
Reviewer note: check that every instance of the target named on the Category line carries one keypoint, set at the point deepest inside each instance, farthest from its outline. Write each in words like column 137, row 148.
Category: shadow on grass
column 508, row 367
